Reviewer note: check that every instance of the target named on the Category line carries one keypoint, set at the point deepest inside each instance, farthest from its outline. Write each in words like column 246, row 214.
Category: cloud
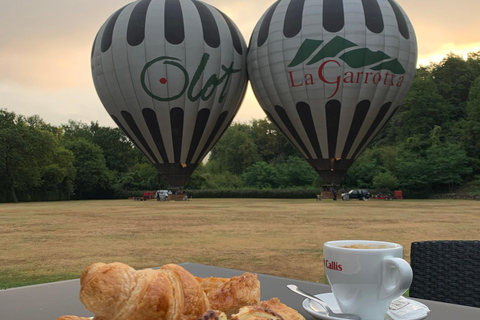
column 51, row 65
column 237, row 11
column 458, row 49
column 437, row 22
column 55, row 107
column 46, row 45
column 250, row 108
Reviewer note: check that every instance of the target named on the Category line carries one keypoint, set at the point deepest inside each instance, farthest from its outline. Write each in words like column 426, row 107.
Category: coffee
column 364, row 246
column 365, row 282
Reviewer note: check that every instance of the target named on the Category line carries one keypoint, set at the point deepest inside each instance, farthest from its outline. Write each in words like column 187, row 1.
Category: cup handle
column 393, row 286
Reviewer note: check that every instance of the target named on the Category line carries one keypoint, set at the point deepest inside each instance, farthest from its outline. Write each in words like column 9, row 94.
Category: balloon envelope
column 331, row 73
column 172, row 75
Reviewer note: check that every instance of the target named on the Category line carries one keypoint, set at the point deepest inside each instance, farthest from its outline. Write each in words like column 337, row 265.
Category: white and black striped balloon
column 331, row 73
column 172, row 75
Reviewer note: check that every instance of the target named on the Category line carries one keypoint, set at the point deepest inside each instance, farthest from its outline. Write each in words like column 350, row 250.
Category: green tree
column 119, row 153
column 12, row 159
column 58, row 177
column 218, row 178
column 453, row 77
column 473, row 60
column 261, row 175
column 198, row 179
column 272, row 145
column 76, row 130
column 412, row 173
column 385, row 180
column 93, row 177
column 470, row 142
column 142, row 176
column 473, row 103
column 236, row 150
column 361, row 173
column 37, row 122
column 296, row 172
column 30, row 156
column 424, row 108
column 447, row 166
column 469, row 128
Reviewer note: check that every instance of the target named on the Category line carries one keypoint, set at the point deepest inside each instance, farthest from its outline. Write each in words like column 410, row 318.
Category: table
column 51, row 300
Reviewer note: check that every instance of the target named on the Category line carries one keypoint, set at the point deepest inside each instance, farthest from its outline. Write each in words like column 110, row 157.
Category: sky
column 46, row 44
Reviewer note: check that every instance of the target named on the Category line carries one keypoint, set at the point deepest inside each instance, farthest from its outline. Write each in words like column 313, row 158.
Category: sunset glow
column 45, row 52
column 458, row 49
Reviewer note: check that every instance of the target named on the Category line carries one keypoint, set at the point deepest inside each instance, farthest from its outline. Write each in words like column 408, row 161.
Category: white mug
column 366, row 276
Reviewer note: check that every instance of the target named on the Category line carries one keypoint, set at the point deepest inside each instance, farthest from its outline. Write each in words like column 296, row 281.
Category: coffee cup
column 366, row 276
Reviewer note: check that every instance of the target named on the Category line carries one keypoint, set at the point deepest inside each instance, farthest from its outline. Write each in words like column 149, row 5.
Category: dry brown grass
column 49, row 241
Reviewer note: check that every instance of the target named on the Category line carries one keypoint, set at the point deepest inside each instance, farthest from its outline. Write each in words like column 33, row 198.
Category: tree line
column 431, row 146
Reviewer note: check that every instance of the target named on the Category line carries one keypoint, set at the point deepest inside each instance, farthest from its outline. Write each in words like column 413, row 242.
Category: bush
column 255, row 193
column 125, row 194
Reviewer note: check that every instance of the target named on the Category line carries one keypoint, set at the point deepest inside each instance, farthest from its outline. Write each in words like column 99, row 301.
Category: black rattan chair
column 446, row 271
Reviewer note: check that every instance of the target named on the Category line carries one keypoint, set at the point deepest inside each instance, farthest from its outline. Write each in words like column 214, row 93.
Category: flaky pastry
column 256, row 313
column 213, row 315
column 282, row 309
column 272, row 309
column 236, row 292
column 211, row 284
column 116, row 291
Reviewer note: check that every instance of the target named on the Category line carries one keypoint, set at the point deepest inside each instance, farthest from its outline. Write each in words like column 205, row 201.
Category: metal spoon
column 329, row 311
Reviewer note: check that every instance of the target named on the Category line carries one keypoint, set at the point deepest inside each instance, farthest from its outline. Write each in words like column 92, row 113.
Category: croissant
column 230, row 294
column 211, row 284
column 78, row 318
column 118, row 292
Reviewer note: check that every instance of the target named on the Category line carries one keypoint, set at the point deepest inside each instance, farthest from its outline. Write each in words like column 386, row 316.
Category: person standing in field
column 334, row 191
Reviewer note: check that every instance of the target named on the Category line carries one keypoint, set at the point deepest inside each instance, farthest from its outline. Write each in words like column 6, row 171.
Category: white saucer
column 400, row 308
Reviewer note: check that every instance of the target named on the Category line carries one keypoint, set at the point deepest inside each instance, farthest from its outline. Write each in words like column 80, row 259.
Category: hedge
column 255, row 193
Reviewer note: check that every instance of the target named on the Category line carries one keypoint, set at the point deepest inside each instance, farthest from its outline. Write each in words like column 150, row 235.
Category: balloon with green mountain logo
column 172, row 75
column 331, row 73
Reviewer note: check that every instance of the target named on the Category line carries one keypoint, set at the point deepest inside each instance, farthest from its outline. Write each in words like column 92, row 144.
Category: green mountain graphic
column 354, row 58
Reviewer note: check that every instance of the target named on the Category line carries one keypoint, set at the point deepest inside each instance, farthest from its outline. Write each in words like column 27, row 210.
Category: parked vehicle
column 360, row 194
column 146, row 196
column 397, row 194
column 162, row 195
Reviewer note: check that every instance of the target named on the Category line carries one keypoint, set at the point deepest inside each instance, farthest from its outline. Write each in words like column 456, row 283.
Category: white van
column 162, row 195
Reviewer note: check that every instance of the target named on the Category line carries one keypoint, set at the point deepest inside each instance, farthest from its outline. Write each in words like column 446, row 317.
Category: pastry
column 79, row 318
column 271, row 309
column 118, row 292
column 211, row 283
column 256, row 313
column 236, row 292
column 282, row 309
column 213, row 315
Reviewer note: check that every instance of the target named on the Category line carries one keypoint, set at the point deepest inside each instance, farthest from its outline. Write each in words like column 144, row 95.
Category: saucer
column 400, row 308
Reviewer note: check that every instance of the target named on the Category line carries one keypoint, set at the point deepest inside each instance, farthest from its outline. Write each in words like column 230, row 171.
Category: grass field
column 49, row 241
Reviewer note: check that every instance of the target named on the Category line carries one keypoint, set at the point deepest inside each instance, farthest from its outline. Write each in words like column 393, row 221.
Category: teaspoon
column 329, row 311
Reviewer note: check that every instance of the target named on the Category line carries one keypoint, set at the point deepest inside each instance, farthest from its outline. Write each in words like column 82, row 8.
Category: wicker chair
column 446, row 271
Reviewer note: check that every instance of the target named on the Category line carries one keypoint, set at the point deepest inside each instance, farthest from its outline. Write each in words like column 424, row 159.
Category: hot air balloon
column 172, row 75
column 331, row 73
